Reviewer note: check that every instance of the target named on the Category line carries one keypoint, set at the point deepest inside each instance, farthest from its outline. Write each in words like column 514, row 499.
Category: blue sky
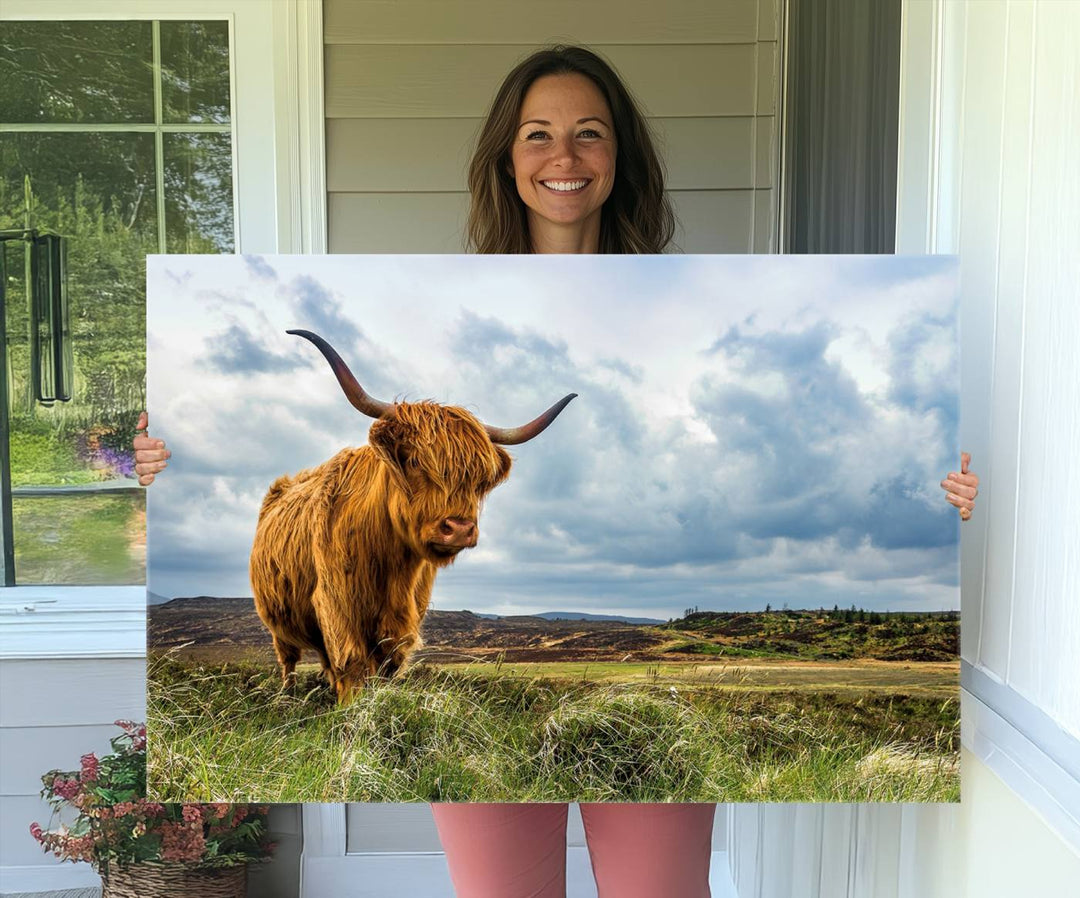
column 749, row 429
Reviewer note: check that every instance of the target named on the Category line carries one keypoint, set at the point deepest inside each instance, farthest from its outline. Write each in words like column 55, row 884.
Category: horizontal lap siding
column 53, row 712
column 408, row 83
column 717, row 221
column 460, row 80
column 379, row 155
column 524, row 22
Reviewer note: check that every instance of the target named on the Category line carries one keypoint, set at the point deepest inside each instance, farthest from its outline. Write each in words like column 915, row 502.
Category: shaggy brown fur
column 346, row 553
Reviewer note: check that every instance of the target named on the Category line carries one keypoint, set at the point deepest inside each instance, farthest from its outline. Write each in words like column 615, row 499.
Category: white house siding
column 68, row 669
column 408, row 83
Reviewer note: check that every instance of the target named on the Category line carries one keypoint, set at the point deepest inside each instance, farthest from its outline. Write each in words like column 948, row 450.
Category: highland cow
column 345, row 553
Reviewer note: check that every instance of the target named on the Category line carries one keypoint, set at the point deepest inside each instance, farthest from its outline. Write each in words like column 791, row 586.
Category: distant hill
column 229, row 628
column 822, row 635
column 583, row 615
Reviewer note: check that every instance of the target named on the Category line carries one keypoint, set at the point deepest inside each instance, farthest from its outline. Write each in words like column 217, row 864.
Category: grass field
column 767, row 731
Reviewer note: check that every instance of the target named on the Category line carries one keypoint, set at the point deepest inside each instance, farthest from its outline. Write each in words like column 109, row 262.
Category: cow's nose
column 458, row 531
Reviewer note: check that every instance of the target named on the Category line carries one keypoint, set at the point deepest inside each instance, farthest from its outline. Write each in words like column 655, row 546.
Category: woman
column 565, row 164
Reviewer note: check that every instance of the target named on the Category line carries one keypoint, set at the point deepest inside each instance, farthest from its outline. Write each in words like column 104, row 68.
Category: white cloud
column 748, row 429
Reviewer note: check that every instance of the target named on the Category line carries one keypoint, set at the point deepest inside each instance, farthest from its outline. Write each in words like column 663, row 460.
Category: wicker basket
column 149, row 880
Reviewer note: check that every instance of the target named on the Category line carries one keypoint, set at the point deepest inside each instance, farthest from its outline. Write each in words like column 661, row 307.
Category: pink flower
column 89, row 768
column 66, row 789
column 181, row 842
column 149, row 808
column 36, row 832
column 192, row 813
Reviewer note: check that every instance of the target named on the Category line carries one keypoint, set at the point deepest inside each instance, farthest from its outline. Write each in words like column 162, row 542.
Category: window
column 118, row 136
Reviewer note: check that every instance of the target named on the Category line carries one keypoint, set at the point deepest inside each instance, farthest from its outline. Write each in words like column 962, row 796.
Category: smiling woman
column 565, row 163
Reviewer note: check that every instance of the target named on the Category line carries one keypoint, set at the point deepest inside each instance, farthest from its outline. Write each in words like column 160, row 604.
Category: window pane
column 98, row 191
column 198, row 193
column 76, row 72
column 195, row 71
column 82, row 539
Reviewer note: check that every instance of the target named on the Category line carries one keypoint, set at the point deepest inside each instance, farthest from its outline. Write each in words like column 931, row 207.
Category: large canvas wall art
column 492, row 528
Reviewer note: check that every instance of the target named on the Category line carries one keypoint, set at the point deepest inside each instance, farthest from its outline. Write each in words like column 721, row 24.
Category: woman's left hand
column 961, row 487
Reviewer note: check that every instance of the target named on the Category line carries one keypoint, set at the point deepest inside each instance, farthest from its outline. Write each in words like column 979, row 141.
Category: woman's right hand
column 150, row 454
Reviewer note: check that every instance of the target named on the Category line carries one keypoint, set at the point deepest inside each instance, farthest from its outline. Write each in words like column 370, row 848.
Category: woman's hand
column 961, row 488
column 150, row 454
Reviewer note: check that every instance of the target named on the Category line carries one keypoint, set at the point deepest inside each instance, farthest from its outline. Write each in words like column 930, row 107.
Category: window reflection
column 127, row 174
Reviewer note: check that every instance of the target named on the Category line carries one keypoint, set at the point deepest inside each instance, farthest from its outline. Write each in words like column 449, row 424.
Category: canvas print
column 510, row 528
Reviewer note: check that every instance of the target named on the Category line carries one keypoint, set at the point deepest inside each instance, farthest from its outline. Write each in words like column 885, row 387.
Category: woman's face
column 563, row 154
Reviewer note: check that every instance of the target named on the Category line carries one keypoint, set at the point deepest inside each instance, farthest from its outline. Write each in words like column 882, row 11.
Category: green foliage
column 436, row 734
column 117, row 825
column 820, row 635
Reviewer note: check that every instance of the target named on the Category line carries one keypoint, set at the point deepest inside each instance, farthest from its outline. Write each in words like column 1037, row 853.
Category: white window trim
column 39, row 622
column 280, row 202
column 277, row 94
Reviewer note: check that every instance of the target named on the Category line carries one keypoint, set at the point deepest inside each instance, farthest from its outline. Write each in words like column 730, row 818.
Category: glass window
column 117, row 136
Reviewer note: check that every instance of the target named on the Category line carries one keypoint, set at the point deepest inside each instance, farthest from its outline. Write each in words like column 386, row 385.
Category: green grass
column 227, row 733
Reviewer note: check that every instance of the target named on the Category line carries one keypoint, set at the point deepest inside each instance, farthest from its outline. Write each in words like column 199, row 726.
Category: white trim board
column 40, row 622
column 301, row 126
column 1049, row 788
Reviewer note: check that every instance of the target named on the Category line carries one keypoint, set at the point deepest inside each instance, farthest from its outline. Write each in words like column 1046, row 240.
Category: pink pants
column 519, row 850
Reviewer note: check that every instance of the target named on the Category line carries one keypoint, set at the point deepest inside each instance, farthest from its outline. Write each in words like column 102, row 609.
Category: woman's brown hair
column 637, row 216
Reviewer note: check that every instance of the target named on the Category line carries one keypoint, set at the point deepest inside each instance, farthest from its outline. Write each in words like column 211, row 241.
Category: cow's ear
column 388, row 436
column 504, row 464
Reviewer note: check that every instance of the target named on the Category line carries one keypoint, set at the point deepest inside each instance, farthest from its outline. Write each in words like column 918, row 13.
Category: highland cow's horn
column 512, row 436
column 355, row 393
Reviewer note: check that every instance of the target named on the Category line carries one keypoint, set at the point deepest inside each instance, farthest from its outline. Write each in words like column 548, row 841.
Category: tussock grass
column 227, row 732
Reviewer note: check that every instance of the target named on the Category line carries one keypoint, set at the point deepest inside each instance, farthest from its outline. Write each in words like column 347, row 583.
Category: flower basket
column 145, row 849
column 174, row 881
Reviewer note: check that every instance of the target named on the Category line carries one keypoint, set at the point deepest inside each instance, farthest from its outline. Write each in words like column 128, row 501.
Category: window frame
column 276, row 95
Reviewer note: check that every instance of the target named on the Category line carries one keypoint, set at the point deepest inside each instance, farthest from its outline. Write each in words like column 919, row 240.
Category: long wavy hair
column 636, row 218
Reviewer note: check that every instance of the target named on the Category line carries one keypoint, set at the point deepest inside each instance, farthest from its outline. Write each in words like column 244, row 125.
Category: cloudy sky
column 748, row 430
